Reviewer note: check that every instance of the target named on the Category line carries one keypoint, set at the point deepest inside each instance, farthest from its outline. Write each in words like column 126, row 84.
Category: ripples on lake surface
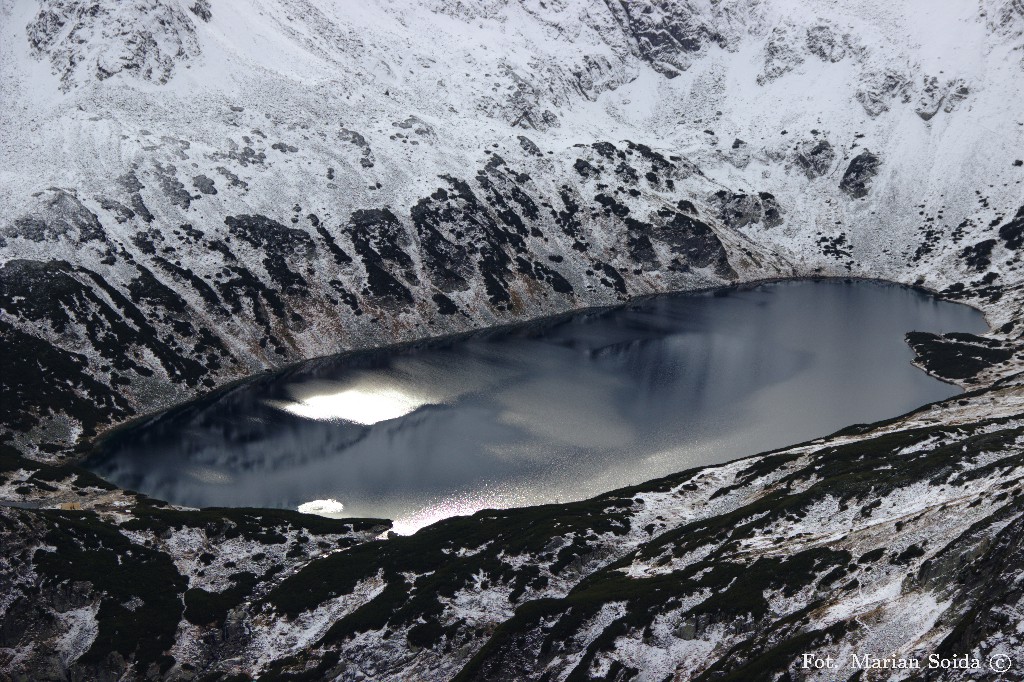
column 556, row 411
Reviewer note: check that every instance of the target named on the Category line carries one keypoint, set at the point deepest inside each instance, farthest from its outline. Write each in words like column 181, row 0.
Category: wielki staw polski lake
column 553, row 411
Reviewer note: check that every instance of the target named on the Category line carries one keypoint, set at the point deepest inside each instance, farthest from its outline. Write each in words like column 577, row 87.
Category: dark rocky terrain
column 184, row 206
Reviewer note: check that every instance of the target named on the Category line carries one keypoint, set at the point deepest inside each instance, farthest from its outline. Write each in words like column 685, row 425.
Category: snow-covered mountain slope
column 192, row 192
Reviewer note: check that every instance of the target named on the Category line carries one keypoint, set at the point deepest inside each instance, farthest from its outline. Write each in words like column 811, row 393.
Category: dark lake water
column 553, row 411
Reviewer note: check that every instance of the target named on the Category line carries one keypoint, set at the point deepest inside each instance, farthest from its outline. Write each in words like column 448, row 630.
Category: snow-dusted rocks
column 857, row 178
column 86, row 40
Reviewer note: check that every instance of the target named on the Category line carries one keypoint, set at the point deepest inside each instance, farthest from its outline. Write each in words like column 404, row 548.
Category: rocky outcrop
column 859, row 174
column 935, row 96
column 814, row 157
column 827, row 44
column 738, row 210
column 94, row 599
column 782, row 53
column 881, row 89
column 1012, row 231
column 669, row 36
column 80, row 40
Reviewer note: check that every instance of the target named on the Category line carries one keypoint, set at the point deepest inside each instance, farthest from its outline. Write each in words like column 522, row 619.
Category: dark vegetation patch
column 187, row 276
column 431, row 556
column 42, row 474
column 418, row 569
column 465, row 236
column 204, row 184
column 907, row 555
column 381, row 242
column 262, row 525
column 542, row 273
column 239, row 284
column 337, row 253
column 978, row 256
column 203, row 607
column 141, row 589
column 872, row 556
column 445, row 305
column 984, row 288
column 284, row 247
column 738, row 593
column 447, row 259
column 957, row 356
column 41, row 380
column 988, row 585
column 767, row 655
column 610, row 277
column 1012, row 232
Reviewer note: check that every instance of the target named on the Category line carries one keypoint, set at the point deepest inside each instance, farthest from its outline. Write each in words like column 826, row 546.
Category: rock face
column 825, row 43
column 858, row 176
column 815, row 157
column 87, row 40
column 738, row 210
column 192, row 194
column 782, row 53
column 669, row 34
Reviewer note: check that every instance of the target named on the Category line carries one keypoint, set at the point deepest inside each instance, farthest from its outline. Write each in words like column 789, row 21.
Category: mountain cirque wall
column 193, row 192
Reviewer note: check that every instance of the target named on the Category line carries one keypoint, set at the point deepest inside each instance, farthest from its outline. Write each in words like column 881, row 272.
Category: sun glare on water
column 328, row 507
column 361, row 404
